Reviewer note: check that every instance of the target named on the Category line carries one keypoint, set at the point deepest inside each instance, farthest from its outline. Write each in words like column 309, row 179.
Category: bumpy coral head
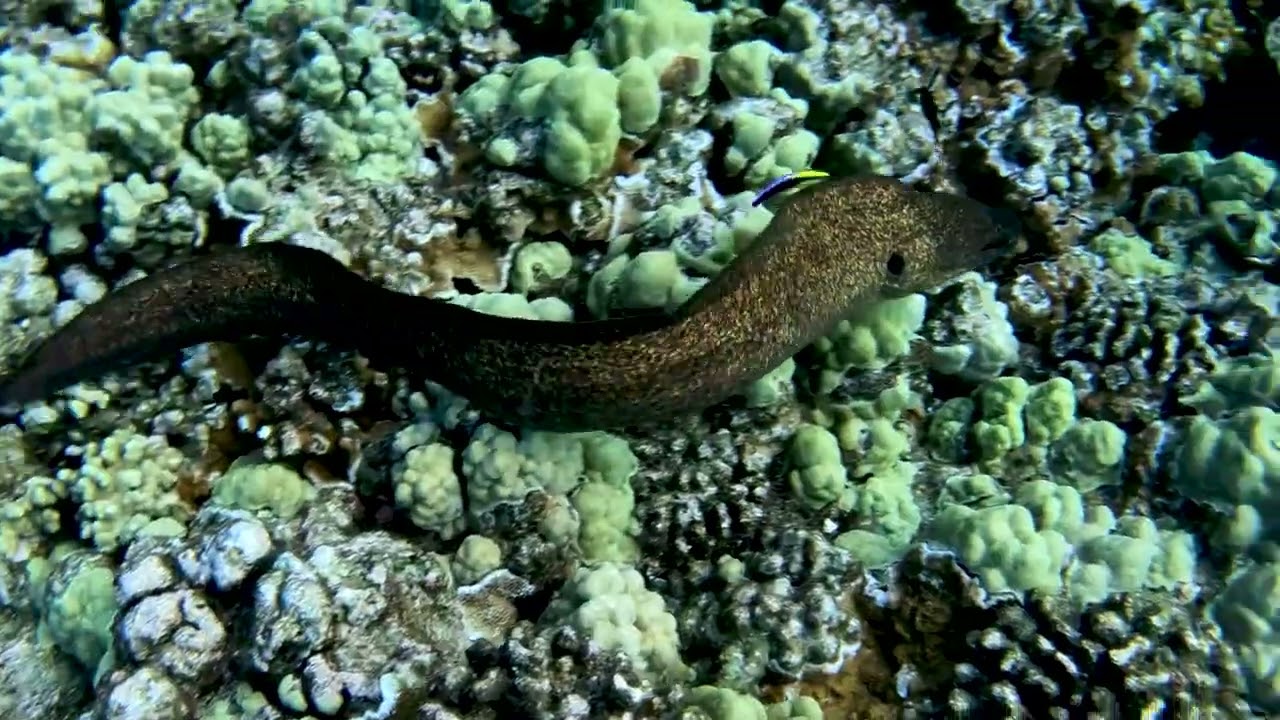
column 910, row 240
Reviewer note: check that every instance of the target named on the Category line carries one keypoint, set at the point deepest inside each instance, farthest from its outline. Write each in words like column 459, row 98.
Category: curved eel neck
column 828, row 248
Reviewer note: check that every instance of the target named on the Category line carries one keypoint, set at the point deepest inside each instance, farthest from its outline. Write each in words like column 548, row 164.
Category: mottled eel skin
column 829, row 247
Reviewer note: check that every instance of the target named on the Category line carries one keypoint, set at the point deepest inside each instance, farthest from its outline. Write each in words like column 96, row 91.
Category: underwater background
column 1048, row 489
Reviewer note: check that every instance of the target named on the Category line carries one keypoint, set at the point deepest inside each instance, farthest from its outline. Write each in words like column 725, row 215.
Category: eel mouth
column 1003, row 238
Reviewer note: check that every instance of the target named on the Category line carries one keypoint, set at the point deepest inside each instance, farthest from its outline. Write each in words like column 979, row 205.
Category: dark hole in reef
column 1230, row 119
column 112, row 19
column 943, row 19
column 534, row 605
column 553, row 33
column 897, row 264
column 14, row 239
column 769, row 7
column 466, row 286
column 825, row 157
column 1128, row 18
column 55, row 16
column 721, row 141
column 845, row 122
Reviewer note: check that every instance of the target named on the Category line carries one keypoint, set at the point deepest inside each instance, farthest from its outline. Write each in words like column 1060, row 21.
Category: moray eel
column 830, row 247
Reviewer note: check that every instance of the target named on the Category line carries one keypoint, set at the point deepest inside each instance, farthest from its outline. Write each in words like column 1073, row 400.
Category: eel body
column 828, row 248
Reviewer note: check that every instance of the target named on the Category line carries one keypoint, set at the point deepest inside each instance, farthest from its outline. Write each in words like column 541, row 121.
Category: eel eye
column 897, row 264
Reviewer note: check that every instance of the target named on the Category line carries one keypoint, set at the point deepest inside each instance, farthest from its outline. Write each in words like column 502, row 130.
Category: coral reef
column 1044, row 489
